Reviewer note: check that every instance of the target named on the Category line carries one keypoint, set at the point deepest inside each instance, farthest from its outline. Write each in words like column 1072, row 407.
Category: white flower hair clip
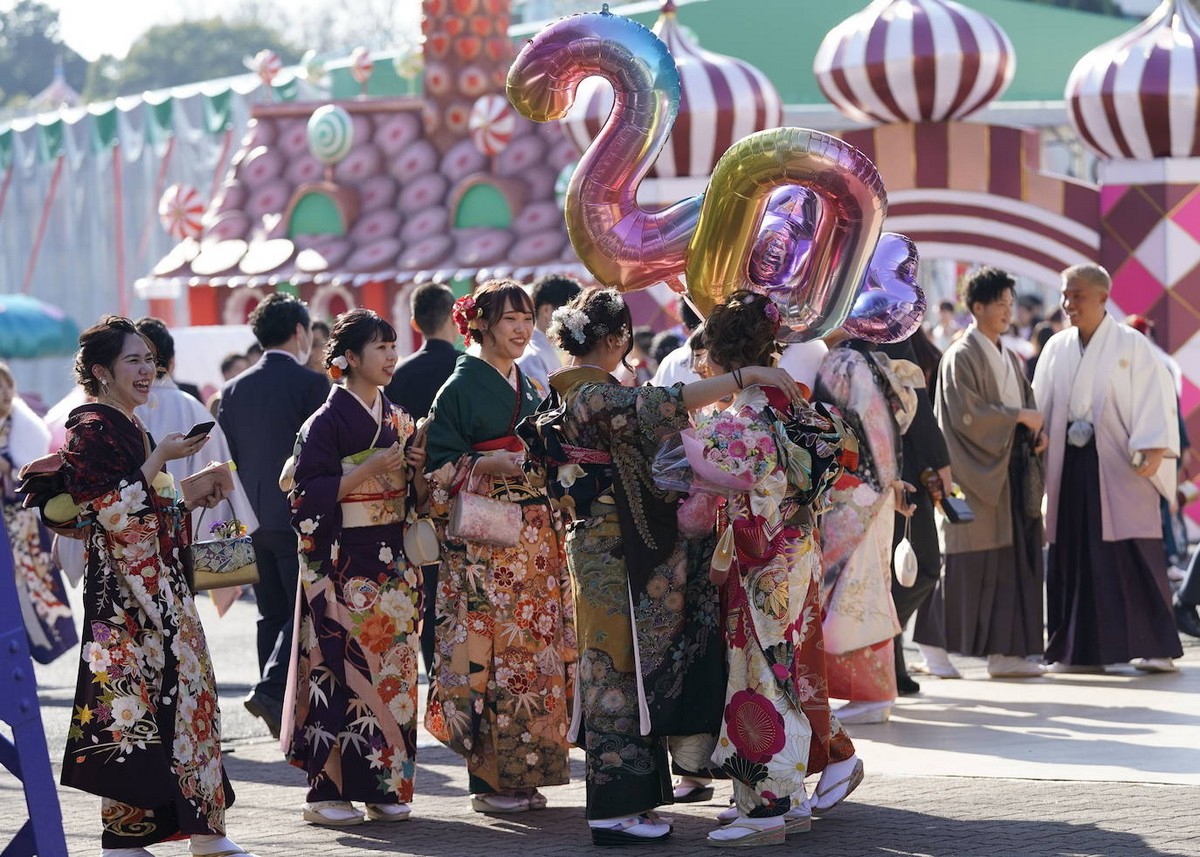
column 338, row 367
column 573, row 321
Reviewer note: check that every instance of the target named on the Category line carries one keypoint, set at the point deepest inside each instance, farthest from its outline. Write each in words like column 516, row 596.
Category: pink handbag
column 482, row 519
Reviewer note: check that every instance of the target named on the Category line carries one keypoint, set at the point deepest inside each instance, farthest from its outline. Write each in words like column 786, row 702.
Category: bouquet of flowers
column 231, row 529
column 724, row 454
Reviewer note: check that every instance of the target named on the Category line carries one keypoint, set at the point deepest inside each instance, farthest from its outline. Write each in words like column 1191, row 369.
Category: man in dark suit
column 419, row 376
column 260, row 412
column 413, row 387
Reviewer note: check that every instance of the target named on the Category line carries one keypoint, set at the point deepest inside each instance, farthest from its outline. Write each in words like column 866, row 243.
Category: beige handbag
column 421, row 544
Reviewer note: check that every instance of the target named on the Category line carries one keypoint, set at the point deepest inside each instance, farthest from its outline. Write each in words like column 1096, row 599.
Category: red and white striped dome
column 724, row 99
column 1137, row 95
column 914, row 61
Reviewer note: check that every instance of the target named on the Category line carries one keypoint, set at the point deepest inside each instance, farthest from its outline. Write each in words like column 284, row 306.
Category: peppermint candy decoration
column 267, row 66
column 180, row 211
column 330, row 134
column 492, row 122
column 361, row 65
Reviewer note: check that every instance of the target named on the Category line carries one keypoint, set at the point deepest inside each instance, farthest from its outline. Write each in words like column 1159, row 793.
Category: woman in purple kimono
column 358, row 476
column 145, row 731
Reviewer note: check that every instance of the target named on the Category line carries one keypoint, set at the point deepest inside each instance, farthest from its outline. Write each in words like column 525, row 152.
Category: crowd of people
column 572, row 596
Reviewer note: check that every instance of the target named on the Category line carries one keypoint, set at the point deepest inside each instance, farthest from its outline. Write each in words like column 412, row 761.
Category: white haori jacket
column 1121, row 387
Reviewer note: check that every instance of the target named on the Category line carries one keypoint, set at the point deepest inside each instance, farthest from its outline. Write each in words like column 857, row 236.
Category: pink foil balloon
column 848, row 224
column 784, row 237
column 621, row 243
column 890, row 306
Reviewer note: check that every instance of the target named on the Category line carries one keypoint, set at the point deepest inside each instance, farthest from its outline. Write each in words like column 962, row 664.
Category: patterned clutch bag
column 227, row 560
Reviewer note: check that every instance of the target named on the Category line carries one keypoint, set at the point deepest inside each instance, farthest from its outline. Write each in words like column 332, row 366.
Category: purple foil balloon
column 622, row 244
column 784, row 237
column 890, row 306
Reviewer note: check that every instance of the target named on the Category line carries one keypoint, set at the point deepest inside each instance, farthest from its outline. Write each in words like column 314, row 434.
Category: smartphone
column 200, row 428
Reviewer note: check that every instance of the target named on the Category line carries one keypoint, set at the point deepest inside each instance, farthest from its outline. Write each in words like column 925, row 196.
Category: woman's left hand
column 900, row 490
column 208, row 501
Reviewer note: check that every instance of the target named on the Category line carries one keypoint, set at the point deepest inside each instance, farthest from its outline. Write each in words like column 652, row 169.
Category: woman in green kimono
column 505, row 633
column 643, row 675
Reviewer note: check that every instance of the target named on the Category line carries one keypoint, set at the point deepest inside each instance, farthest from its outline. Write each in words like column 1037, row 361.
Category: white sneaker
column 937, row 663
column 864, row 712
column 1012, row 666
column 1155, row 665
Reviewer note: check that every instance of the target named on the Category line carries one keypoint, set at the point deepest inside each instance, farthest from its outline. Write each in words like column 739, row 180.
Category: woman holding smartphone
column 358, row 480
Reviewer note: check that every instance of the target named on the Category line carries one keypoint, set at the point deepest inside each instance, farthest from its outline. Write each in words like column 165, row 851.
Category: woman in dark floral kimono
column 145, row 728
column 358, row 476
column 647, row 642
column 777, row 727
column 505, row 635
column 40, row 591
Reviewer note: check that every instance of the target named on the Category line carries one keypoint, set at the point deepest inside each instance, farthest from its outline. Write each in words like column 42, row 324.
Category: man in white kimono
column 1109, row 405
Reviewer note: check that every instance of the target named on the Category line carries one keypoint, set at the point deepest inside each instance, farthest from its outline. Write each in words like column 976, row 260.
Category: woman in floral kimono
column 40, row 591
column 777, row 727
column 505, row 635
column 359, row 472
column 650, row 649
column 875, row 396
column 145, row 728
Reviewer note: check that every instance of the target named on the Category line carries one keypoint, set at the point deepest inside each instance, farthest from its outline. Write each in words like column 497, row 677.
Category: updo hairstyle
column 741, row 332
column 578, row 327
column 100, row 345
column 493, row 299
column 354, row 331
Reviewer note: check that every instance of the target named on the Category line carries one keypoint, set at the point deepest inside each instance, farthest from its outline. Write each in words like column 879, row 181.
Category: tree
column 188, row 52
column 30, row 44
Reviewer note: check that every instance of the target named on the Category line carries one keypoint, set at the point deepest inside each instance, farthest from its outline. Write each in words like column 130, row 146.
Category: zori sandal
column 332, row 813
column 827, row 797
column 749, row 833
column 388, row 811
column 630, row 830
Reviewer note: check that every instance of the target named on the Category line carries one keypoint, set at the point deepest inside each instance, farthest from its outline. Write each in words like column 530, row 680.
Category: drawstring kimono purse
column 904, row 558
column 483, row 519
column 227, row 560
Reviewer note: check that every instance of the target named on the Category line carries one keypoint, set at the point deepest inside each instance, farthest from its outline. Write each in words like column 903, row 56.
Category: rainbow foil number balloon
column 794, row 213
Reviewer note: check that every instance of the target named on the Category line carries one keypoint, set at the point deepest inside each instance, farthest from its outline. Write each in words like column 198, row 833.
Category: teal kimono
column 505, row 634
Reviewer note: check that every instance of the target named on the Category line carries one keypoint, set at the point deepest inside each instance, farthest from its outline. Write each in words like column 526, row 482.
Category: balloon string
column 159, row 186
column 38, row 237
column 119, row 229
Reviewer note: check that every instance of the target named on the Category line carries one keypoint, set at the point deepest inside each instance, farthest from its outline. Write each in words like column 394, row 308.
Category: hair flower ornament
column 338, row 367
column 772, row 313
column 466, row 315
column 573, row 320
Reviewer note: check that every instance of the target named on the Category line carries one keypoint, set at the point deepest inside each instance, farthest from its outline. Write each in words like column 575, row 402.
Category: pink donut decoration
column 423, row 192
column 425, row 253
column 562, row 150
column 375, row 256
column 462, row 160
column 231, row 224
column 363, row 132
column 374, row 226
column 473, row 81
column 377, row 192
column 537, row 217
column 431, row 119
column 540, row 180
column 430, row 221
column 416, row 160
column 231, row 197
column 304, row 169
column 293, row 138
column 258, row 133
column 396, row 132
column 539, row 248
column 492, row 122
column 521, row 154
column 363, row 162
column 457, row 116
column 260, row 166
column 329, row 252
column 269, row 199
column 479, row 247
column 437, row 78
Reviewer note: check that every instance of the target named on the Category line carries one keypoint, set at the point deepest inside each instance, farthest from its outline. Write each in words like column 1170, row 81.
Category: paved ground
column 1070, row 765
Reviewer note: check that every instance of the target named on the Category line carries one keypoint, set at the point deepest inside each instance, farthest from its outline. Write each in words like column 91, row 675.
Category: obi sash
column 376, row 502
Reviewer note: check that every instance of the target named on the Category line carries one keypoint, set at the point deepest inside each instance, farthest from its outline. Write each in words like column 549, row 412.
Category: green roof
column 780, row 37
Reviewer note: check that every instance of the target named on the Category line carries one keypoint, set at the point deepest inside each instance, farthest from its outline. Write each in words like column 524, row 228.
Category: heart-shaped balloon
column 890, row 306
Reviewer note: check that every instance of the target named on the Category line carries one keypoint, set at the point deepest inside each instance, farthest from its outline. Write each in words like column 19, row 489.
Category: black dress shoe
column 1186, row 619
column 905, row 686
column 266, row 710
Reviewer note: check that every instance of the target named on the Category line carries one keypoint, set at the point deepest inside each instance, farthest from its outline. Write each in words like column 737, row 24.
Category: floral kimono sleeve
column 316, row 513
column 449, row 451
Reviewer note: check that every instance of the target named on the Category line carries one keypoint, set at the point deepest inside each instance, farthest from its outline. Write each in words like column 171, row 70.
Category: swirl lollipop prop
column 180, row 210
column 330, row 136
column 621, row 243
column 361, row 67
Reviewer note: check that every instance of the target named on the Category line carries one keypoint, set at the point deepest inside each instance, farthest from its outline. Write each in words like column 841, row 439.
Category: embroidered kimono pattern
column 505, row 636
column 651, row 654
column 777, row 727
column 860, row 616
column 40, row 590
column 355, row 668
column 145, row 728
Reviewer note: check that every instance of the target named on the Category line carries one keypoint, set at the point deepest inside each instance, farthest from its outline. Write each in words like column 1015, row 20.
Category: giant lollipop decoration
column 180, row 210
column 361, row 67
column 330, row 136
column 491, row 123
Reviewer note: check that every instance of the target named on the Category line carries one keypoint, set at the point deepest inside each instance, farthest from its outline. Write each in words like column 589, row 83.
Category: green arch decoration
column 316, row 214
column 483, row 205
